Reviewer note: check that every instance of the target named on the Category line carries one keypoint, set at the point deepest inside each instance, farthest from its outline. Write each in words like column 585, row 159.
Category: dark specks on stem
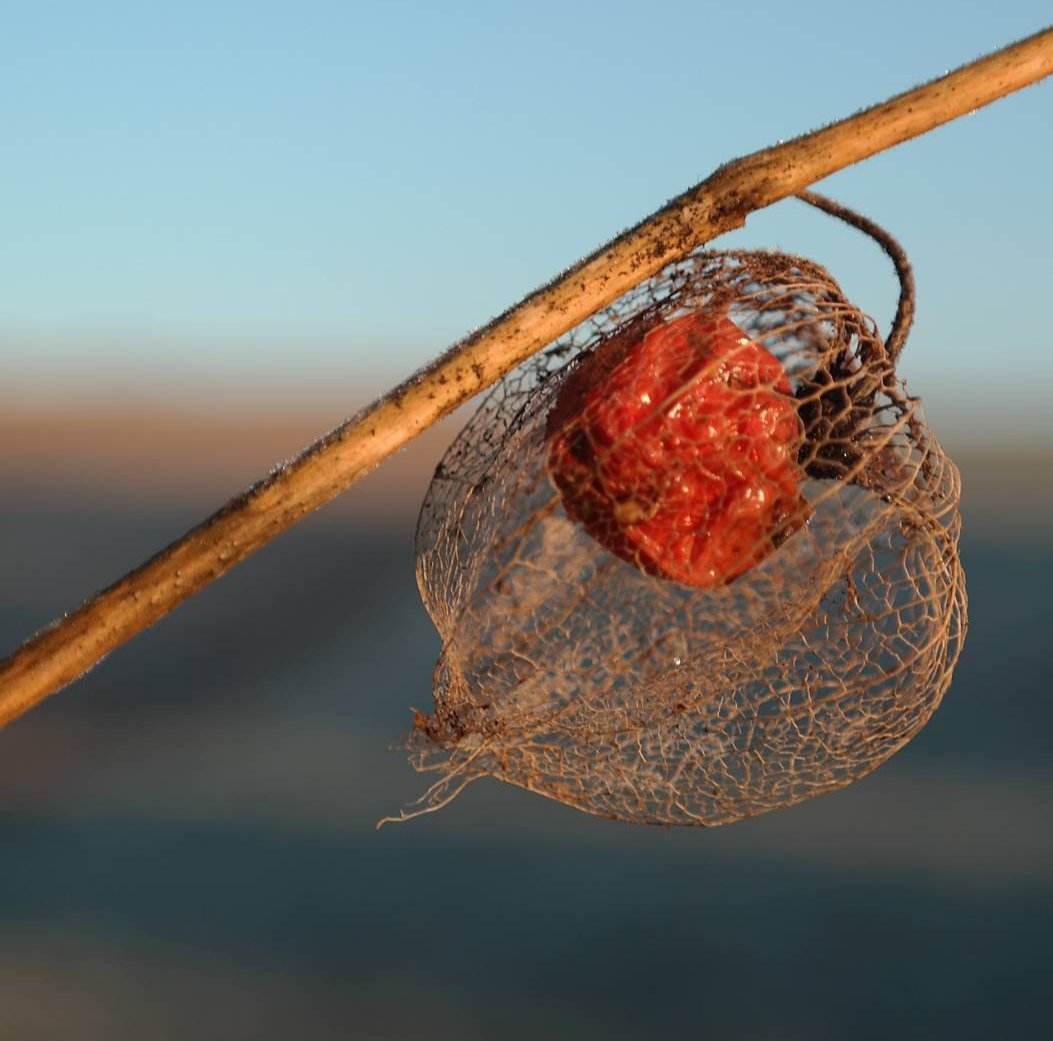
column 732, row 207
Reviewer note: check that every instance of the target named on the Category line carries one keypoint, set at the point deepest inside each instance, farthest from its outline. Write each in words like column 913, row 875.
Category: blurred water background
column 187, row 834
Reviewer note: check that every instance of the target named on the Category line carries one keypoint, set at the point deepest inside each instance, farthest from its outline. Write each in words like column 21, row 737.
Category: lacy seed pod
column 637, row 676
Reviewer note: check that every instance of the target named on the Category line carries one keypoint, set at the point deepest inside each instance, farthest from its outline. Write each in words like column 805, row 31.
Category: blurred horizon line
column 207, row 451
column 1007, row 414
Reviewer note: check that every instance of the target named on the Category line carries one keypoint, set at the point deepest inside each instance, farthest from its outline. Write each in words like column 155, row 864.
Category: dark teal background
column 187, row 849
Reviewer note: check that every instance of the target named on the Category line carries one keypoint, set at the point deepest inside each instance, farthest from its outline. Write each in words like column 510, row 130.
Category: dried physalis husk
column 669, row 632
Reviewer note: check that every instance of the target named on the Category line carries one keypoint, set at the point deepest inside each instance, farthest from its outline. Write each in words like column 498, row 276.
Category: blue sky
column 310, row 191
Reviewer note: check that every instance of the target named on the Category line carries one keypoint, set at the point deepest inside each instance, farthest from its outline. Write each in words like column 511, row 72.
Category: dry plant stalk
column 61, row 653
column 587, row 677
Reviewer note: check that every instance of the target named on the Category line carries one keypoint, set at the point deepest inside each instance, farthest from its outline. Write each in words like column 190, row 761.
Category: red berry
column 677, row 451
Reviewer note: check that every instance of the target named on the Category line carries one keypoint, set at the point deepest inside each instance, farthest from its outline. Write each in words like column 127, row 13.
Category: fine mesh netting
column 674, row 631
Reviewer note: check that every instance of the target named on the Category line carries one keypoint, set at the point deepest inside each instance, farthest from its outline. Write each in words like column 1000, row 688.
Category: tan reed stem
column 61, row 653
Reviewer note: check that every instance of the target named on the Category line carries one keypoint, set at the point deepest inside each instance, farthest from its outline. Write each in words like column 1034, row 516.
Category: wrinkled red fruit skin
column 677, row 450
